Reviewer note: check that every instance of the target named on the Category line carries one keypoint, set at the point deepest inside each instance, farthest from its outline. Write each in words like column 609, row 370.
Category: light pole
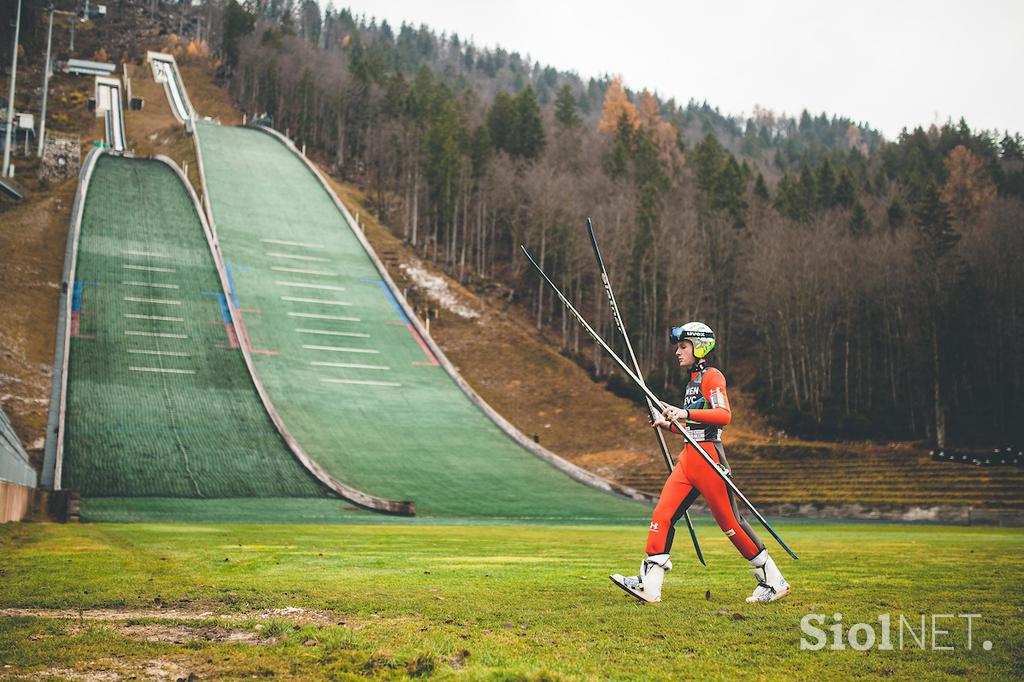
column 10, row 97
column 46, row 86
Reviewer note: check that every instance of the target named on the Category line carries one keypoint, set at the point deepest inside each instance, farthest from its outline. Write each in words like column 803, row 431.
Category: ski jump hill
column 249, row 359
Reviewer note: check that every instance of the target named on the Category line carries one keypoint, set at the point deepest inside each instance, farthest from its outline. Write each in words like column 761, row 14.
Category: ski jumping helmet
column 699, row 334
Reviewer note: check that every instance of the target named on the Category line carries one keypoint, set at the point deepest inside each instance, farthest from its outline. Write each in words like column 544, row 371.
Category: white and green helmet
column 699, row 334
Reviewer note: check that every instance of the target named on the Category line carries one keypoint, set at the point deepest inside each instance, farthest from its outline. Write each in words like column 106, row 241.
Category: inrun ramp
column 165, row 70
column 159, row 402
column 109, row 102
column 353, row 381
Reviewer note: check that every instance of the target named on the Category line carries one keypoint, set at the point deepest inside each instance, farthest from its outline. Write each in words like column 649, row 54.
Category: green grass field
column 488, row 602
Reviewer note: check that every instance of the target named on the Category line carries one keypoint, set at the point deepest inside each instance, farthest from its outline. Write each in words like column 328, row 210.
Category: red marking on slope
column 245, row 332
column 423, row 345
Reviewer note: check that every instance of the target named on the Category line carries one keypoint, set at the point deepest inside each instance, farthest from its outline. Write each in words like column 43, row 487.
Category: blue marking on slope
column 223, row 302
column 231, row 282
column 76, row 294
column 391, row 297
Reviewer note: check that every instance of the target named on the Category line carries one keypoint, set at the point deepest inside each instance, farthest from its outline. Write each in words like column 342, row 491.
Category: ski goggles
column 679, row 333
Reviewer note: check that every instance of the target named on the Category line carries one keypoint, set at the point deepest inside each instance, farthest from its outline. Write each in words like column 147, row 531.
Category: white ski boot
column 647, row 585
column 771, row 586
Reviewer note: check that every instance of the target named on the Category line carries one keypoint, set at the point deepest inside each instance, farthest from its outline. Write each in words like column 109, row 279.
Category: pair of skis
column 653, row 403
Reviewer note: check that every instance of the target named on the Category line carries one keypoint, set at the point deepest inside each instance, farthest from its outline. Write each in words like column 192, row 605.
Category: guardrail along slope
column 352, row 379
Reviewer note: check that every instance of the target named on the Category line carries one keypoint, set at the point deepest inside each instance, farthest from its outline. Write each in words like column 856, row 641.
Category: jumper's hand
column 677, row 413
column 660, row 422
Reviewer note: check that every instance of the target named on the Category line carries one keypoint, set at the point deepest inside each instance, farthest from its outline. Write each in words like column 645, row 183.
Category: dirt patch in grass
column 292, row 614
column 180, row 634
column 109, row 670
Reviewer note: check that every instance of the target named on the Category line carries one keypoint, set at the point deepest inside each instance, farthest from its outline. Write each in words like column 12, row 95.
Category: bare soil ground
column 32, row 243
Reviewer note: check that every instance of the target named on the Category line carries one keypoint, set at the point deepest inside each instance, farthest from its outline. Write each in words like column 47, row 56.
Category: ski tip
column 589, row 223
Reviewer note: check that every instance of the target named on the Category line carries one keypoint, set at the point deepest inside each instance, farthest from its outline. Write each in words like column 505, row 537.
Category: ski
column 650, row 395
column 636, row 367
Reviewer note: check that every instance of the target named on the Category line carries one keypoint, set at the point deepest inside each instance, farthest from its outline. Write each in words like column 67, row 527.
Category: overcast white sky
column 890, row 64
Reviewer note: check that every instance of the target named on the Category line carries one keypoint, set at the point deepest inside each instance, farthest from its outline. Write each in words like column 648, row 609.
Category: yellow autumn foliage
column 617, row 104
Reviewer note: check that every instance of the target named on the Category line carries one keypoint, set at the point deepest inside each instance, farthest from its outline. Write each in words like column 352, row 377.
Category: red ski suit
column 708, row 407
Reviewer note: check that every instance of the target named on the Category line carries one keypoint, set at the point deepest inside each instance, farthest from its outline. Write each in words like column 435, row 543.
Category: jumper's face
column 684, row 353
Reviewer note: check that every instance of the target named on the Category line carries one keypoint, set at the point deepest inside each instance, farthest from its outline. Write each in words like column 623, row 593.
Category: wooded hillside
column 863, row 287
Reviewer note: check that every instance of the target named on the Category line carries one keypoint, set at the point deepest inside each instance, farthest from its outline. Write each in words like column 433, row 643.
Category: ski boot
column 647, row 585
column 771, row 586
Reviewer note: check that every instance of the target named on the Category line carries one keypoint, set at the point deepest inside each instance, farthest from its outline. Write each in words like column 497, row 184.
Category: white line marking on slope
column 341, row 349
column 137, row 316
column 360, row 383
column 144, row 351
column 300, row 271
column 164, row 301
column 275, row 254
column 162, row 335
column 323, row 301
column 150, row 284
column 287, row 243
column 162, row 369
column 358, row 335
column 319, row 316
column 303, row 285
column 143, row 253
column 349, row 365
column 148, row 268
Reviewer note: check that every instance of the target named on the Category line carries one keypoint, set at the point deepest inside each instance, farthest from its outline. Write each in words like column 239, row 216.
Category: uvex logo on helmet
column 699, row 334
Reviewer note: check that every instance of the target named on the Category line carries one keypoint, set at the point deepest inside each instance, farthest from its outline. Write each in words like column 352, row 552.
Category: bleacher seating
column 999, row 457
column 772, row 474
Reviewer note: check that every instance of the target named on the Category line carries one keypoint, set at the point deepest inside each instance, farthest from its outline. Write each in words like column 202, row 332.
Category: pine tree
column 1012, row 148
column 806, row 122
column 761, row 188
column 826, row 184
column 845, row 191
column 565, row 108
column 808, row 191
column 237, row 22
column 501, row 122
column 708, row 158
column 860, row 224
column 529, row 140
column 779, row 162
column 787, row 198
column 933, row 220
column 896, row 214
column 480, row 150
column 728, row 192
column 938, row 240
column 618, row 159
column 881, row 182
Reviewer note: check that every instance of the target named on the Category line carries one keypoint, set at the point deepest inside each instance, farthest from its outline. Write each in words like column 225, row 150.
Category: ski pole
column 636, row 366
column 643, row 387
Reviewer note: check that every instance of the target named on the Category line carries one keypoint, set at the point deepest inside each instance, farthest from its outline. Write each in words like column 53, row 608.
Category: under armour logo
column 654, row 526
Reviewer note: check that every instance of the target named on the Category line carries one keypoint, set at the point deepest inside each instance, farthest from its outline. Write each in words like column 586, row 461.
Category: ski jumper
column 708, row 412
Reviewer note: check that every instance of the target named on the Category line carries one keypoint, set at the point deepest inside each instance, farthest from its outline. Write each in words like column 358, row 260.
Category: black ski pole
column 636, row 367
column 689, row 439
